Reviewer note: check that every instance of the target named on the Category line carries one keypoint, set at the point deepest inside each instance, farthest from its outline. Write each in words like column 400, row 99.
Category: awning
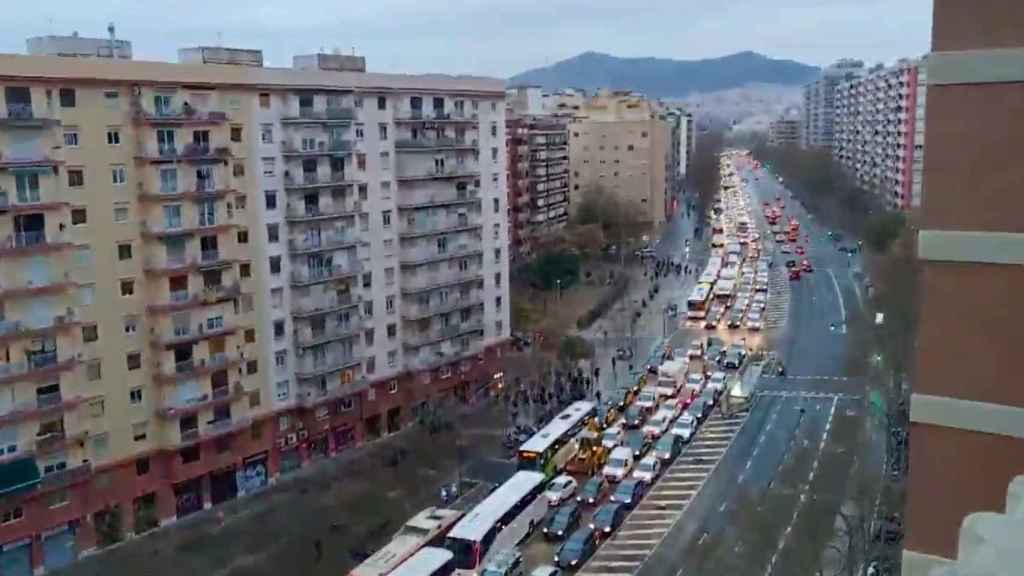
column 18, row 475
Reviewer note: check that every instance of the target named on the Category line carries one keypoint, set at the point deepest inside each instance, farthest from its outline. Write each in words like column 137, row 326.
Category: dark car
column 634, row 416
column 577, row 549
column 638, row 442
column 608, row 518
column 697, row 410
column 592, row 490
column 629, row 493
column 668, row 447
column 565, row 519
column 714, row 349
column 710, row 397
column 736, row 318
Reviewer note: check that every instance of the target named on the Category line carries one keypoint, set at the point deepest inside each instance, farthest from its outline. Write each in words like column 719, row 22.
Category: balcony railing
column 21, row 115
column 312, row 306
column 435, row 144
column 426, row 227
column 194, row 367
column 298, row 212
column 66, row 477
column 469, row 196
column 186, row 334
column 414, row 115
column 322, row 242
column 32, row 242
column 430, row 254
column 323, row 147
column 190, row 152
column 326, row 364
column 418, row 339
column 310, row 180
column 314, row 275
column 13, row 329
column 465, row 171
column 309, row 337
column 328, row 115
column 423, row 282
column 186, row 114
column 415, row 312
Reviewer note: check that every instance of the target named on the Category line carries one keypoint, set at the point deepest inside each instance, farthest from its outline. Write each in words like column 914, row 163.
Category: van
column 648, row 398
column 620, row 464
column 505, row 563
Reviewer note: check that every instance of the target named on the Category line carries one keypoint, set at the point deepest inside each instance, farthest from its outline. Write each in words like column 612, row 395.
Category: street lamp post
column 558, row 283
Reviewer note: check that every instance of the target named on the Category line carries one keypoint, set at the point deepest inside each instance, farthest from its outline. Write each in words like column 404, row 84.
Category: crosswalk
column 664, row 504
column 778, row 299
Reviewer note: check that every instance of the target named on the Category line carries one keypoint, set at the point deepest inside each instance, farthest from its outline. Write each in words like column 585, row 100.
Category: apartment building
column 213, row 272
column 818, row 120
column 537, row 148
column 689, row 130
column 784, row 132
column 619, row 142
column 965, row 490
column 875, row 125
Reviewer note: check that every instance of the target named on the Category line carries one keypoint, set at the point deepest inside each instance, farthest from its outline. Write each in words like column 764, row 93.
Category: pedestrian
column 597, row 395
column 318, row 551
column 613, row 363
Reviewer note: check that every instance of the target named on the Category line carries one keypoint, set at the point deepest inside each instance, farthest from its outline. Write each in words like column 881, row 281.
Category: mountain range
column 666, row 78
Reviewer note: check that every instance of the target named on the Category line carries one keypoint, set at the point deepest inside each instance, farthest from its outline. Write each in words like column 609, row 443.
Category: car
column 606, row 414
column 546, row 570
column 711, row 322
column 710, row 398
column 560, row 489
column 647, row 470
column 805, row 266
column 638, row 443
column 619, row 465
column 786, row 249
column 733, row 360
column 562, row 521
column 799, row 250
column 761, row 287
column 736, row 318
column 634, row 416
column 621, row 396
column 608, row 518
column 740, row 347
column 790, row 263
column 780, row 238
column 648, row 398
column 624, row 353
column 794, row 274
column 717, row 381
column 760, row 298
column 695, row 381
column 754, row 321
column 714, row 349
column 504, row 563
column 593, row 489
column 611, row 437
column 696, row 349
column 668, row 447
column 657, row 425
column 684, row 427
column 577, row 549
column 629, row 493
column 698, row 410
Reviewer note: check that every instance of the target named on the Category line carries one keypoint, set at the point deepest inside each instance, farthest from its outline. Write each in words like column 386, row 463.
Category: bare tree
column 705, row 175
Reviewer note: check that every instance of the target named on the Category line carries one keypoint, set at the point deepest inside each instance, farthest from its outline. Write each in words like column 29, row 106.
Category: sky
column 491, row 37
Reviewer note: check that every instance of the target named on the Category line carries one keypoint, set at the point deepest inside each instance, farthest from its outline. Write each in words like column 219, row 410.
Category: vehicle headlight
column 574, row 562
column 561, row 532
column 545, row 530
column 591, row 526
column 607, row 529
column 556, row 559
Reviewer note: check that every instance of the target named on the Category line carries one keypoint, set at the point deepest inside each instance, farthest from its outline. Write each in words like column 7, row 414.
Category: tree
column 554, row 269
column 705, row 175
column 615, row 217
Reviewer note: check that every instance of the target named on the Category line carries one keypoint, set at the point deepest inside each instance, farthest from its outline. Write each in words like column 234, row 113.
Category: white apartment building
column 819, row 103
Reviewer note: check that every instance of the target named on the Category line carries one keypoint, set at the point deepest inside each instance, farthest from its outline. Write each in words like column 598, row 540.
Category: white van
column 648, row 398
column 620, row 464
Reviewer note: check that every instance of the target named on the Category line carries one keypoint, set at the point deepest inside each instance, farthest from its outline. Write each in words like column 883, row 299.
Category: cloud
column 493, row 37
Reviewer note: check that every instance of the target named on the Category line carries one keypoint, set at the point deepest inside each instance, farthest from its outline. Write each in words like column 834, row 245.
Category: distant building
column 875, row 125
column 80, row 47
column 819, row 103
column 784, row 132
column 619, row 142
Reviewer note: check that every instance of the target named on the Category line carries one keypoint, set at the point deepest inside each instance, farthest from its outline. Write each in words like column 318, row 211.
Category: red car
column 799, row 250
column 794, row 273
column 806, row 266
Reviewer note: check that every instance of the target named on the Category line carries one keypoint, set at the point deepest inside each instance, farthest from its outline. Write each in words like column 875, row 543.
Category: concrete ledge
column 976, row 67
column 967, row 415
column 918, row 564
column 965, row 246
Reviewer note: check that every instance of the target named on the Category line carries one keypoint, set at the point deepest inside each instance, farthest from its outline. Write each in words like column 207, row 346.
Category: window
column 389, row 304
column 120, row 214
column 273, row 233
column 276, row 298
column 78, row 217
column 117, row 175
column 270, row 199
column 499, row 327
column 251, row 367
column 124, row 252
column 629, row 148
column 382, row 103
column 357, row 102
column 278, row 329
column 90, row 333
column 359, row 133
column 371, row 365
column 369, row 336
column 497, row 205
column 497, row 278
column 281, row 359
column 497, row 230
column 245, row 270
column 497, row 255
column 142, row 464
column 360, row 161
column 134, row 360
column 12, row 515
column 236, row 133
column 112, row 99
column 494, row 106
column 128, row 287
column 67, row 97
column 383, row 130
column 368, row 308
column 385, row 218
column 389, row 276
column 497, row 302
column 71, row 137
column 364, row 222
column 282, row 389
column 275, row 265
column 392, row 331
column 238, row 170
column 246, row 302
column 76, row 178
column 494, row 153
column 267, row 134
column 131, row 324
column 385, row 165
column 392, row 362
column 368, row 280
column 346, row 405
column 96, row 408
column 494, row 129
column 250, row 335
column 494, row 178
column 264, row 100
column 268, row 167
column 93, row 371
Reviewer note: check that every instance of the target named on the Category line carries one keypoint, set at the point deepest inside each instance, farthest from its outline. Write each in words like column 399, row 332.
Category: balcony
column 67, row 477
column 304, row 213
column 326, row 116
column 21, row 115
column 308, row 180
column 194, row 368
column 168, row 265
column 305, row 277
column 417, row 312
column 221, row 396
column 36, row 287
column 424, row 282
column 11, row 330
column 310, row 367
column 430, row 227
column 212, row 259
column 438, row 116
column 418, row 257
column 33, row 242
column 45, row 405
column 175, row 116
column 194, row 153
column 36, row 366
column 213, row 429
column 198, row 193
column 325, row 241
column 431, row 361
column 188, row 335
column 469, row 196
column 183, row 228
column 433, row 144
column 306, row 337
column 56, row 441
column 444, row 173
column 39, row 160
column 322, row 148
column 307, row 307
column 420, row 339
column 26, row 201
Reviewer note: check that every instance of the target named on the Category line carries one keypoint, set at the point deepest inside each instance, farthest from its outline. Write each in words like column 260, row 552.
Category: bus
column 429, row 561
column 427, row 528
column 699, row 301
column 500, row 522
column 551, row 448
column 725, row 289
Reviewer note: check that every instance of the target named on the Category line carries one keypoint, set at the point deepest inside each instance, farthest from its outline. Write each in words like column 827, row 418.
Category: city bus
column 699, row 301
column 551, row 448
column 429, row 561
column 427, row 528
column 725, row 289
column 500, row 522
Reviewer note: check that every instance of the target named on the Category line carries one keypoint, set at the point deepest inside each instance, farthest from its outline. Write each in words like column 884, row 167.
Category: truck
column 671, row 377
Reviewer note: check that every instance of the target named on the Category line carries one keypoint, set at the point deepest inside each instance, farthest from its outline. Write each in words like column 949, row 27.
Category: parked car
column 608, row 518
column 577, row 549
column 560, row 489
column 563, row 521
column 629, row 493
column 593, row 489
column 647, row 469
column 668, row 447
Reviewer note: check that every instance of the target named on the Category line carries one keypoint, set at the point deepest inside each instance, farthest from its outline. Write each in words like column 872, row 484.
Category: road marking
column 662, row 521
column 842, row 305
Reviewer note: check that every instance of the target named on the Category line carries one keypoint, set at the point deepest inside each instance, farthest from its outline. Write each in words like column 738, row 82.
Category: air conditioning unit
column 303, row 435
column 292, row 439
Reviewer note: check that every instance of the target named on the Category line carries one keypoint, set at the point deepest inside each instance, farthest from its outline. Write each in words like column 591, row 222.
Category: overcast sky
column 491, row 37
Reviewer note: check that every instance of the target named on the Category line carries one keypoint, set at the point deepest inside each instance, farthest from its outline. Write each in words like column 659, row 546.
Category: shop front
column 188, row 497
column 58, row 547
column 223, row 485
column 253, row 475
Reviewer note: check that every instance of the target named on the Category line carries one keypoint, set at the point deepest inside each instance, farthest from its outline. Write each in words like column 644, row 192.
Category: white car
column 696, row 350
column 760, row 298
column 683, row 427
column 648, row 398
column 717, row 381
column 560, row 489
column 695, row 381
column 611, row 437
column 658, row 424
column 620, row 463
column 754, row 321
column 647, row 469
column 786, row 249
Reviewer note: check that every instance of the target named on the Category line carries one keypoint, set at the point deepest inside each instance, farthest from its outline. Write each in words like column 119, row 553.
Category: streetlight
column 558, row 282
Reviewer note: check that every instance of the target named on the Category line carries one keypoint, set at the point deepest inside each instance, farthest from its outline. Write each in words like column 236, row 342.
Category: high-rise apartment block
column 784, row 132
column 876, row 124
column 819, row 103
column 212, row 273
column 965, row 490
